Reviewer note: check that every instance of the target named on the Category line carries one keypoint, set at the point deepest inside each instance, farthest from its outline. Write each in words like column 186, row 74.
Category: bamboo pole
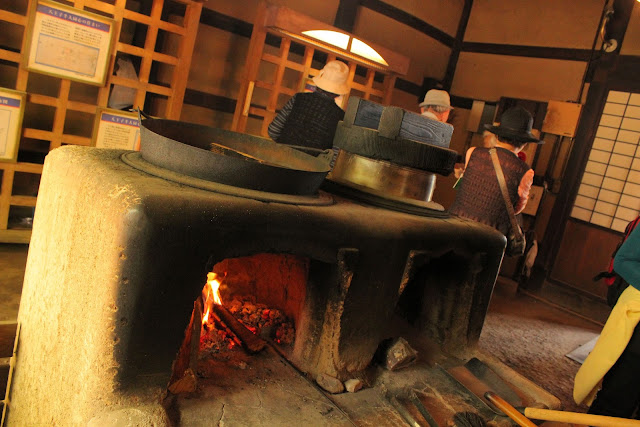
column 579, row 418
column 557, row 416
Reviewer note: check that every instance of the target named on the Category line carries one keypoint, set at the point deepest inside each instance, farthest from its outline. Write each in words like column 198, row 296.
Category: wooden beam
column 625, row 75
column 346, row 15
column 29, row 201
column 277, row 86
column 210, row 101
column 226, row 23
column 227, row 105
column 258, row 36
column 185, row 53
column 5, row 195
column 13, row 18
column 528, row 51
column 409, row 20
column 15, row 236
column 10, row 58
column 457, row 45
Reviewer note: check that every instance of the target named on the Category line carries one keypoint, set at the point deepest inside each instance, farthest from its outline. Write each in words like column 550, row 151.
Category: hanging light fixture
column 348, row 43
column 334, row 41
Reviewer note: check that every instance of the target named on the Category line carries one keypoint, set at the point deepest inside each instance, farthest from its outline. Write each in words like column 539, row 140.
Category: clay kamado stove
column 123, row 241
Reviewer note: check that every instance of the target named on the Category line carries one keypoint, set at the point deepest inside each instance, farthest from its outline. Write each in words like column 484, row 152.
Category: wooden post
column 185, row 53
column 252, row 65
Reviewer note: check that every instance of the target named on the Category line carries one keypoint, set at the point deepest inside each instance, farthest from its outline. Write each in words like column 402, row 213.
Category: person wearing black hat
column 479, row 196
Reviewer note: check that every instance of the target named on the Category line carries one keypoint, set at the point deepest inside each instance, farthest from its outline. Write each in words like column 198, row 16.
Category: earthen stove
column 121, row 249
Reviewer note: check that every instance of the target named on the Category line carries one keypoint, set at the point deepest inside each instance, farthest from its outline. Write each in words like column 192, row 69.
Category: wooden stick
column 183, row 378
column 220, row 324
column 508, row 410
column 578, row 418
column 250, row 341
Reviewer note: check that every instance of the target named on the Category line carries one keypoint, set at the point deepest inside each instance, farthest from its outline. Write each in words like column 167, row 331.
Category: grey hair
column 510, row 141
column 438, row 108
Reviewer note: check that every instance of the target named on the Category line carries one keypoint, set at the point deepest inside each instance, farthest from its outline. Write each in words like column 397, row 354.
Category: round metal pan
column 383, row 177
column 232, row 158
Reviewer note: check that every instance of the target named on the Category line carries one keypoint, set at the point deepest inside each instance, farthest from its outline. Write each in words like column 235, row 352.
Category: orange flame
column 211, row 295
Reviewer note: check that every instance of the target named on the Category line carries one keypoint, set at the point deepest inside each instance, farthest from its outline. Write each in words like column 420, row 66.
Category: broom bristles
column 468, row 419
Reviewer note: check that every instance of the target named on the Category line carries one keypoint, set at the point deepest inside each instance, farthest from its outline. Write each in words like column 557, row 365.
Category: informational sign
column 562, row 118
column 11, row 113
column 116, row 129
column 69, row 43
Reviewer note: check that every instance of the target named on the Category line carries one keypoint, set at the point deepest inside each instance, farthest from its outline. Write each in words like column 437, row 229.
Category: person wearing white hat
column 436, row 105
column 310, row 119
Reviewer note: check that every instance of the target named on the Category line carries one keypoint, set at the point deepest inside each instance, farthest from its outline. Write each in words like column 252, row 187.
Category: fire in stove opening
column 218, row 330
column 210, row 295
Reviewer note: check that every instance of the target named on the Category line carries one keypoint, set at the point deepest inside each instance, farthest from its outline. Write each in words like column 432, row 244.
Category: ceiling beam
column 409, row 20
column 567, row 54
column 457, row 45
column 346, row 15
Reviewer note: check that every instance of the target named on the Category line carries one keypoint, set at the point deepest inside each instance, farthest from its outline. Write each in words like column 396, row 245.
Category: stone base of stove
column 117, row 258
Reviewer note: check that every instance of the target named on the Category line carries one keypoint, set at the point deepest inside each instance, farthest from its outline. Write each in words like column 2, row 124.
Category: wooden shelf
column 182, row 32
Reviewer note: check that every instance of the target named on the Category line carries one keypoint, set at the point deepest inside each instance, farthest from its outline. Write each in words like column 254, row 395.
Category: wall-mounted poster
column 11, row 113
column 69, row 43
column 116, row 129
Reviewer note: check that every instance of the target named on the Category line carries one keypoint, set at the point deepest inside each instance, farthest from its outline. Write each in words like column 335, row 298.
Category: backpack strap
column 505, row 192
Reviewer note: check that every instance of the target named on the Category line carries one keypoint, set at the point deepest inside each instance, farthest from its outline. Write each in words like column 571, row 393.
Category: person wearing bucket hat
column 479, row 196
column 309, row 119
column 436, row 105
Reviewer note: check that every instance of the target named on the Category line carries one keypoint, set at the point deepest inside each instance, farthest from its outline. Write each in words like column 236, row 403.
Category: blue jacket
column 627, row 260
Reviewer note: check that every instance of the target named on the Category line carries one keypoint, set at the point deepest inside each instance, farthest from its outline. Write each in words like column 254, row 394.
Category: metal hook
column 611, row 44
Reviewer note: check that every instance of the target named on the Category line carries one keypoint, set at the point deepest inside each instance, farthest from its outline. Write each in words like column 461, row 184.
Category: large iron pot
column 232, row 158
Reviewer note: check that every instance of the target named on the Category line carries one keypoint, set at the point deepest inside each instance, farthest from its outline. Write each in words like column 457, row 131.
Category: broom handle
column 578, row 418
column 508, row 410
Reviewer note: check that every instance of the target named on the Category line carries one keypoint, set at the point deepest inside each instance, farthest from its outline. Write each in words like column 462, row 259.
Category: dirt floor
column 533, row 338
column 236, row 389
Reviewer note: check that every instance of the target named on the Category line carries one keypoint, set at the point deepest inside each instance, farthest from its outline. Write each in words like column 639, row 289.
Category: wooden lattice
column 159, row 36
column 264, row 80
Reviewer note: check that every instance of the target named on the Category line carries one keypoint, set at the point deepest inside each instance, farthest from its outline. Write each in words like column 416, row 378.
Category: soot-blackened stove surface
column 119, row 256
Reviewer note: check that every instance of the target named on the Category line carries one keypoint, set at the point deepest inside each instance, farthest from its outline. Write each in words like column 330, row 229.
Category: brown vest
column 479, row 197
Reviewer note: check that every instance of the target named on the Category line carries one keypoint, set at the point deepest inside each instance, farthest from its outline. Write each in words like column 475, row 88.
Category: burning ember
column 268, row 323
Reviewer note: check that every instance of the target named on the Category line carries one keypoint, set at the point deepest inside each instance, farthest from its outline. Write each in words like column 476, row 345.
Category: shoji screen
column 609, row 195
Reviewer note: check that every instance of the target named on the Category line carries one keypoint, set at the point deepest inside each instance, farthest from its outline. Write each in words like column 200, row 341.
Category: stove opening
column 246, row 304
column 265, row 292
